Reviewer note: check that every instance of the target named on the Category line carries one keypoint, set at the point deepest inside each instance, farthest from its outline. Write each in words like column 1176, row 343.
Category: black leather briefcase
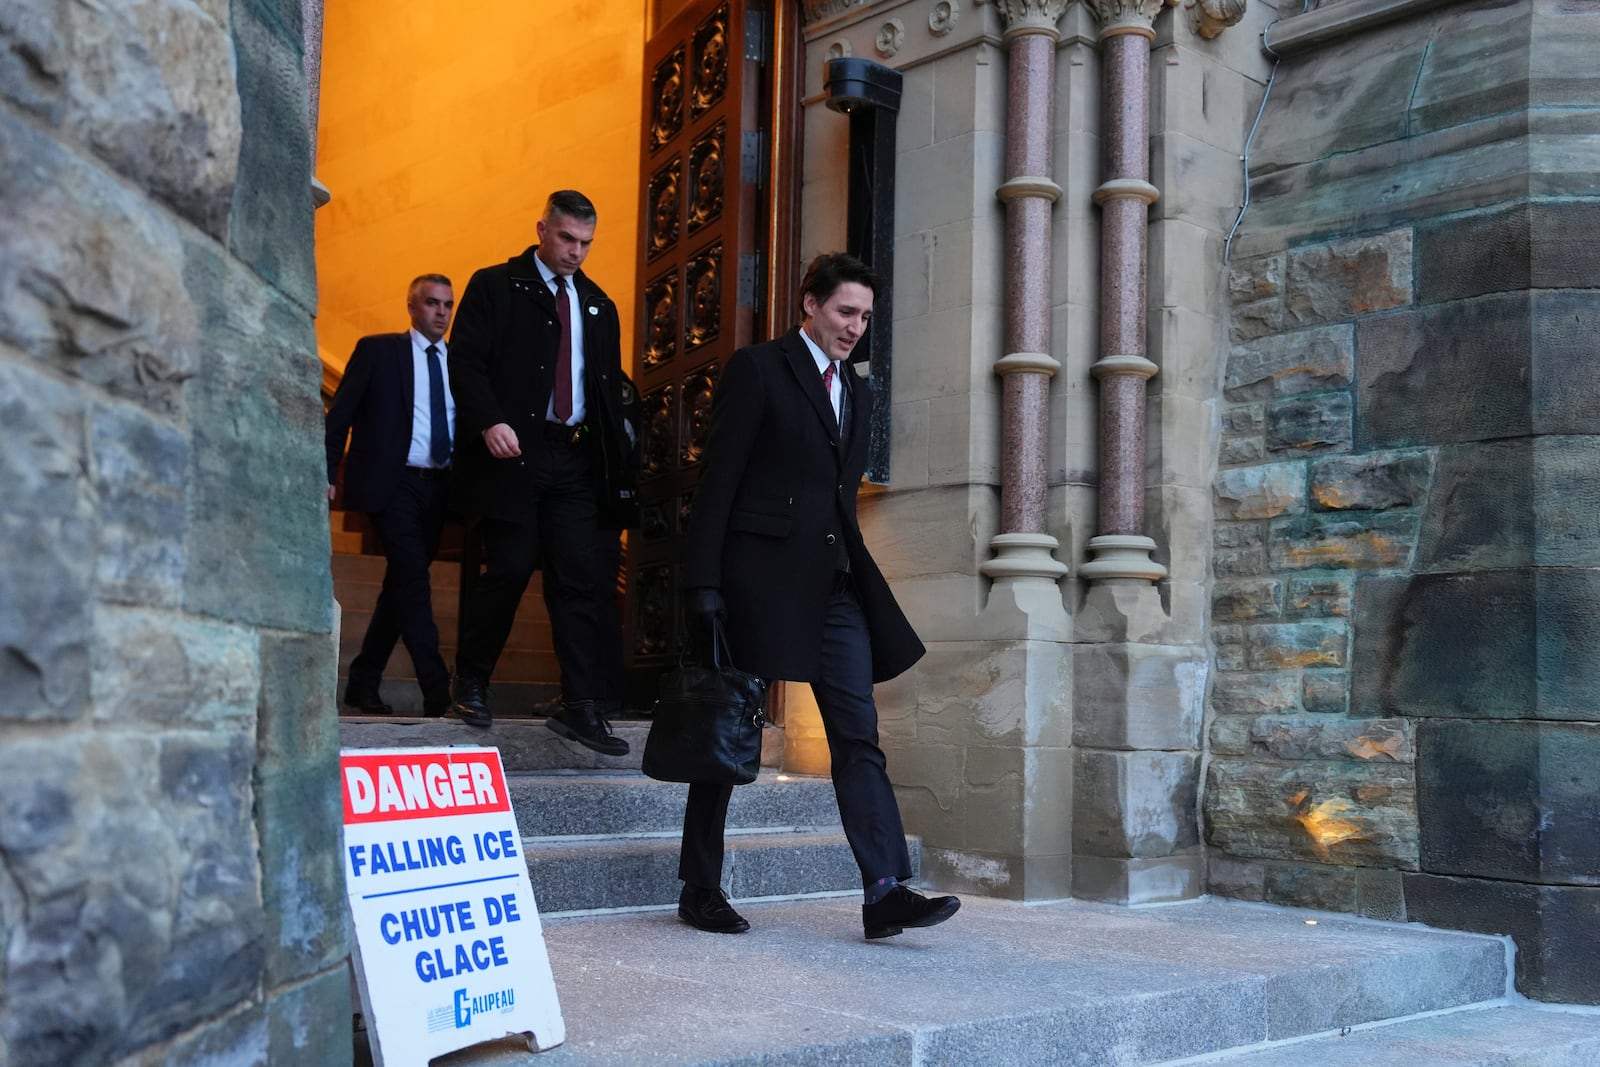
column 707, row 722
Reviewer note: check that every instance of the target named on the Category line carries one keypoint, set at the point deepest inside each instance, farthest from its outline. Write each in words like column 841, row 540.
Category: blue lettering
column 356, row 859
column 463, row 1009
column 384, row 926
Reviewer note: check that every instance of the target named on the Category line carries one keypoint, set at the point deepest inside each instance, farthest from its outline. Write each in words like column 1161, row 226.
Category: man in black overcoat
column 775, row 551
column 546, row 468
column 394, row 404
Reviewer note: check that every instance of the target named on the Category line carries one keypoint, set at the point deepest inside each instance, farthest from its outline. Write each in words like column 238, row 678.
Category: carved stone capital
column 1031, row 16
column 814, row 11
column 1210, row 17
column 1126, row 16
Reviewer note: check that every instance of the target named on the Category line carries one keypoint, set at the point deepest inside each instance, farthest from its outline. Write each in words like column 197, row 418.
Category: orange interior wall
column 443, row 127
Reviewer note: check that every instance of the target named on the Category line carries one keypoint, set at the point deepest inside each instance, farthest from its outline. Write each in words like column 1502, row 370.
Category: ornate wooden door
column 703, row 276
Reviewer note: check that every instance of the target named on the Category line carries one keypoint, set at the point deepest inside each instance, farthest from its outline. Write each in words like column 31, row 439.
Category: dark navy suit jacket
column 373, row 406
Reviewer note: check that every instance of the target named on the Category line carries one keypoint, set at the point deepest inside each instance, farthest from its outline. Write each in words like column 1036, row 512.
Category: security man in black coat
column 774, row 549
column 546, row 467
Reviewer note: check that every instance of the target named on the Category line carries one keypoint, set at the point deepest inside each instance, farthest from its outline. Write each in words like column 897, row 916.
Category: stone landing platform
column 1068, row 983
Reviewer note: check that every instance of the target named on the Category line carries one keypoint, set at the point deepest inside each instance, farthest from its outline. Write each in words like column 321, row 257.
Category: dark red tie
column 563, row 398
column 827, row 385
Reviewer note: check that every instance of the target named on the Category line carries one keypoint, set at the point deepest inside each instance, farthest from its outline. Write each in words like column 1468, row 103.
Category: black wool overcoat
column 502, row 369
column 777, row 495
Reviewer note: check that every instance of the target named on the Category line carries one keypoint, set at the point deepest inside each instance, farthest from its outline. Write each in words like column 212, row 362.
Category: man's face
column 837, row 323
column 430, row 306
column 564, row 242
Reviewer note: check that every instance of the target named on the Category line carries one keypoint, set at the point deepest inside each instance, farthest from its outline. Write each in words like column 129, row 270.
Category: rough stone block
column 157, row 669
column 1510, row 800
column 1481, row 512
column 1319, row 888
column 270, row 224
column 1295, row 738
column 1373, row 541
column 1260, row 492
column 1241, row 450
column 1325, row 692
column 1556, row 928
column 1566, row 501
column 1227, row 876
column 1134, row 805
column 1300, row 362
column 93, row 278
column 929, row 783
column 1309, row 424
column 1320, row 595
column 1240, row 549
column 309, row 1024
column 1446, row 373
column 1137, row 696
column 1229, row 644
column 1517, row 643
column 1284, row 645
column 1322, row 811
column 299, row 813
column 48, row 526
column 1260, row 319
column 168, row 121
column 256, row 458
column 139, row 466
column 1529, row 245
column 1343, row 279
column 1244, row 419
column 1256, row 278
column 1243, row 599
column 1372, row 482
column 241, row 1039
column 1155, row 880
column 1250, row 693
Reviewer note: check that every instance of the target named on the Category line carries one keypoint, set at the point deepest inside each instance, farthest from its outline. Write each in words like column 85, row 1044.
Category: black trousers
column 579, row 559
column 409, row 528
column 867, row 806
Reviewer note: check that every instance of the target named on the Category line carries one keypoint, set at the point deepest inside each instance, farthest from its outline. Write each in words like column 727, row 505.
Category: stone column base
column 1138, row 881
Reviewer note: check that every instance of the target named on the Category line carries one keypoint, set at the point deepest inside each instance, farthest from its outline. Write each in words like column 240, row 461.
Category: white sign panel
column 448, row 947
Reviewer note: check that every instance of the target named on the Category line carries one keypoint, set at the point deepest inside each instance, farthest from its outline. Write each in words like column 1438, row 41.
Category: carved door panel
column 701, row 273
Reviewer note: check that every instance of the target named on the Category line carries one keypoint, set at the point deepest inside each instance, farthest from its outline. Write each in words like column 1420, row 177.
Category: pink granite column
column 1121, row 551
column 1023, row 551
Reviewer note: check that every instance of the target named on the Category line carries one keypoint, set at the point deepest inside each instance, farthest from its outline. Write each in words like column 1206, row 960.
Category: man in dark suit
column 774, row 548
column 395, row 396
column 536, row 365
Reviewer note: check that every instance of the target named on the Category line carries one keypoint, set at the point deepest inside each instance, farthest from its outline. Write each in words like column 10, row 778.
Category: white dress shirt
column 421, row 451
column 579, row 406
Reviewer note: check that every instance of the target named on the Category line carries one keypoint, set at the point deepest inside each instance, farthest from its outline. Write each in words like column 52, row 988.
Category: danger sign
column 448, row 946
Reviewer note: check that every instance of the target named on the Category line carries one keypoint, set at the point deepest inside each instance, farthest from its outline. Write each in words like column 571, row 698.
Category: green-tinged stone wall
column 169, row 885
column 1405, row 720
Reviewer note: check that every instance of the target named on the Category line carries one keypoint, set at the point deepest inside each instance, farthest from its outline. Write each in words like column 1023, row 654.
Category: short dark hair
column 832, row 269
column 572, row 204
column 422, row 279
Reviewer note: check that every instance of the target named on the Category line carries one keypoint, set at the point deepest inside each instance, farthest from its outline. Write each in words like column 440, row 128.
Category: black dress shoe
column 582, row 721
column 903, row 908
column 471, row 704
column 435, row 700
column 365, row 699
column 709, row 910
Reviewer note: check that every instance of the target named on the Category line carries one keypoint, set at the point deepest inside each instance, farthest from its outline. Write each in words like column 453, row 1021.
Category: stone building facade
column 1253, row 559
column 170, row 888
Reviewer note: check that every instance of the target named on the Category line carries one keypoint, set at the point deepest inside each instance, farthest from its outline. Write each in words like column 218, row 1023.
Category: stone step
column 587, row 875
column 524, row 744
column 514, row 665
column 1508, row 1035
column 1070, row 983
column 555, row 804
column 510, row 700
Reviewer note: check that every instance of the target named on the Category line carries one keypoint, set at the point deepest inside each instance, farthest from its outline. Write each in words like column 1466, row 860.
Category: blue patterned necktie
column 438, row 418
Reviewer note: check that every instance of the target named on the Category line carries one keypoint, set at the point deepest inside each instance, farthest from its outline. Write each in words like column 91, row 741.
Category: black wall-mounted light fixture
column 869, row 93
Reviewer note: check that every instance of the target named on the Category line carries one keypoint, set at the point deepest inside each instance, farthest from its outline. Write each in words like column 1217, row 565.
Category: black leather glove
column 703, row 605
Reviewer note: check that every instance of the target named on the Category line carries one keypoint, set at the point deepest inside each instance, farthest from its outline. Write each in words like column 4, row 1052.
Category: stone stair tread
column 551, row 804
column 633, row 872
column 1509, row 1035
column 524, row 744
column 1071, row 982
